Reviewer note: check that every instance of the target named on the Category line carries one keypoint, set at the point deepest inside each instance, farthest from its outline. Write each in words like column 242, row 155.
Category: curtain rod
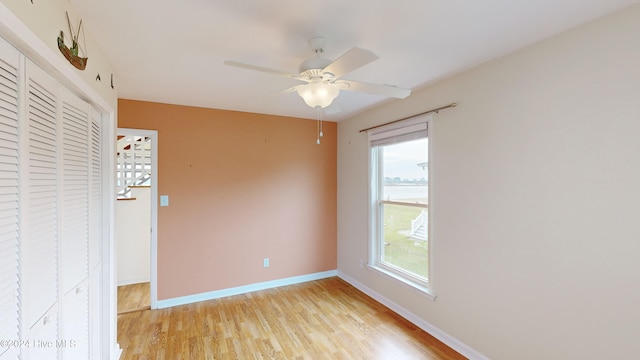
column 452, row 105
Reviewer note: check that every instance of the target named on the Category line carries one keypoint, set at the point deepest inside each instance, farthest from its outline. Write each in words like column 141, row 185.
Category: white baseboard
column 116, row 352
column 183, row 300
column 447, row 339
column 131, row 282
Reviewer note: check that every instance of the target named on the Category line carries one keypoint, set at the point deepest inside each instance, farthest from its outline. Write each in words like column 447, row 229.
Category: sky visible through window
column 401, row 160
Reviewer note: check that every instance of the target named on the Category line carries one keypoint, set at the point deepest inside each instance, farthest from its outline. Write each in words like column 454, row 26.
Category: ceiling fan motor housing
column 313, row 64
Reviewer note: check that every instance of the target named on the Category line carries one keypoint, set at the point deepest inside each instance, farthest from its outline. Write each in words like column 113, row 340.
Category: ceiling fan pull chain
column 318, row 109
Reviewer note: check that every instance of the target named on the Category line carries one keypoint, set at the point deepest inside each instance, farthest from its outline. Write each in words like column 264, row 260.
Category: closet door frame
column 33, row 47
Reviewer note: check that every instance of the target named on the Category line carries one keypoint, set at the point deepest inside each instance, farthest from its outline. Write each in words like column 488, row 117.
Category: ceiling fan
column 323, row 76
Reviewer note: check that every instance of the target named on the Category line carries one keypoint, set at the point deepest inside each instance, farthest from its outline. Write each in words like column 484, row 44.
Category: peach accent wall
column 242, row 187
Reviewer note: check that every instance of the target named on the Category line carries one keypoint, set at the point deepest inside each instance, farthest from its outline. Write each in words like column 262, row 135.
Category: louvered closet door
column 40, row 235
column 74, row 261
column 9, row 305
column 74, row 323
column 95, row 233
column 95, row 192
column 44, row 331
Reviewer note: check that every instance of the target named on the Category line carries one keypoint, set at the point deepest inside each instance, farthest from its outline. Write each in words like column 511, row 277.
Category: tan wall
column 241, row 187
column 535, row 198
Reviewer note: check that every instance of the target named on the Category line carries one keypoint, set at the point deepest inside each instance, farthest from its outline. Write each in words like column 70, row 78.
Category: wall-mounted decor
column 72, row 53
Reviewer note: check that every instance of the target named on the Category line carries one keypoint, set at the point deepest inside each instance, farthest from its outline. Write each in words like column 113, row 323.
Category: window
column 399, row 210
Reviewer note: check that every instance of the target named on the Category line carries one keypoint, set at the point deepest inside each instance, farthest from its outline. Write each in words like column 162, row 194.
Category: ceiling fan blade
column 291, row 89
column 349, row 61
column 262, row 69
column 374, row 89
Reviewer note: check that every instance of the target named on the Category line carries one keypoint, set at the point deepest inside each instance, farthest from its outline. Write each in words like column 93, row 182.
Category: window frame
column 376, row 203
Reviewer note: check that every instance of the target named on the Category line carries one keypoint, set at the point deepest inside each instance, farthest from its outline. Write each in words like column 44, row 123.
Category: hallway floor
column 134, row 297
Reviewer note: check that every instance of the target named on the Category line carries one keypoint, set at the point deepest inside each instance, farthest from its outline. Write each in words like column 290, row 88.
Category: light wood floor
column 135, row 297
column 324, row 319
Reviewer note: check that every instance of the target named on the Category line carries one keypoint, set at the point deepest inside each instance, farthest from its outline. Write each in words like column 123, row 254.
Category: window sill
column 411, row 285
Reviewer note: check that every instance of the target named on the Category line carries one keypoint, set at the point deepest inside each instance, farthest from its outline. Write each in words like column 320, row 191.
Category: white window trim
column 426, row 289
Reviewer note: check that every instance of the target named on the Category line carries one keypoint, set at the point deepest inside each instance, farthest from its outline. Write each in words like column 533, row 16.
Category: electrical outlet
column 265, row 262
column 361, row 264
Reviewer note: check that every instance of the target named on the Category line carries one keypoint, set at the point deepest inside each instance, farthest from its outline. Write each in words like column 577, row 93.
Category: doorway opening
column 136, row 219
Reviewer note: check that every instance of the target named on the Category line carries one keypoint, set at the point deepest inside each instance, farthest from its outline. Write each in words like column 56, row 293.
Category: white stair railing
column 419, row 221
column 133, row 163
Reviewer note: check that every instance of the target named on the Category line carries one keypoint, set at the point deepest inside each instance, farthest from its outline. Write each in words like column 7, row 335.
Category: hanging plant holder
column 72, row 53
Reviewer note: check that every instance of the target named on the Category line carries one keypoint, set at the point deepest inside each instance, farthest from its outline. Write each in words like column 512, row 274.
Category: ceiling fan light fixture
column 318, row 94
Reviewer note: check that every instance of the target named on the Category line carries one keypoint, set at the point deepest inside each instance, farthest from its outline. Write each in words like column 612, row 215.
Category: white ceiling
column 172, row 51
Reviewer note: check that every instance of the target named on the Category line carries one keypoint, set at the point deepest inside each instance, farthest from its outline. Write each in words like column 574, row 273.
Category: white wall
column 133, row 237
column 536, row 179
column 46, row 19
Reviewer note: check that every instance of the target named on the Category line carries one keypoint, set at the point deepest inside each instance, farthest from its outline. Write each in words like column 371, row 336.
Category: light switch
column 164, row 200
